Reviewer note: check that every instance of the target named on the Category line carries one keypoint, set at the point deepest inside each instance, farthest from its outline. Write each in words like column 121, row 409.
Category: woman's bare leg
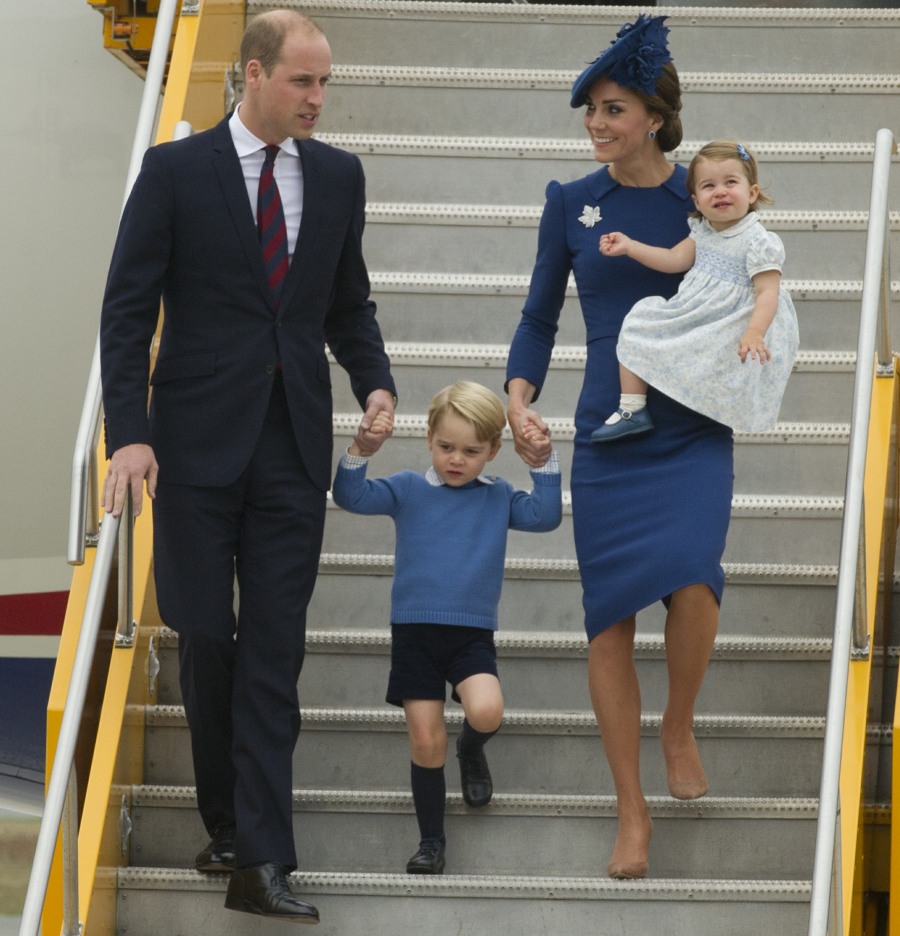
column 616, row 698
column 691, row 627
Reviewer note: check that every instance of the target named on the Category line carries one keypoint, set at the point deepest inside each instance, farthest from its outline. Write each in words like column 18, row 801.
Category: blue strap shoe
column 630, row 423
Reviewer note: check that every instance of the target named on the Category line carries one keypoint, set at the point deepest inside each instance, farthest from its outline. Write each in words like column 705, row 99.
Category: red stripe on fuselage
column 41, row 613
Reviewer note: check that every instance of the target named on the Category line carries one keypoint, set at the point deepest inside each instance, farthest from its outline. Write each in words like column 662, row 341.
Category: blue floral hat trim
column 634, row 60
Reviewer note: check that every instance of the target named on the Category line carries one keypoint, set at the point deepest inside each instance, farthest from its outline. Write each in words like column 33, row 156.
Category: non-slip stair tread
column 574, row 645
column 486, row 885
column 562, row 78
column 562, row 643
column 517, row 284
column 563, row 357
column 530, row 215
column 550, row 13
column 567, row 569
column 546, row 643
column 514, row 804
column 540, row 147
column 521, row 721
column 753, row 505
column 563, row 429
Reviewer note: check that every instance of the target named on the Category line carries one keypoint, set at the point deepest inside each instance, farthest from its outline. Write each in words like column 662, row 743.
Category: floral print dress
column 687, row 346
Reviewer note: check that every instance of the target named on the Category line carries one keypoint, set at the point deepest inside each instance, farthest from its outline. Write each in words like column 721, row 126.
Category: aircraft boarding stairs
column 460, row 114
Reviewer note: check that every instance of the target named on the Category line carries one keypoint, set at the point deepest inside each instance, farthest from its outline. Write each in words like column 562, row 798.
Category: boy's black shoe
column 429, row 859
column 477, row 786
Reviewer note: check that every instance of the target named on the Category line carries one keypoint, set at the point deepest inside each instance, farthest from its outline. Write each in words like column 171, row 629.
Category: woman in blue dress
column 651, row 512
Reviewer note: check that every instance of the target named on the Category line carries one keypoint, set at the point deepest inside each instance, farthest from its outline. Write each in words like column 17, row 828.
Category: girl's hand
column 370, row 439
column 753, row 345
column 615, row 244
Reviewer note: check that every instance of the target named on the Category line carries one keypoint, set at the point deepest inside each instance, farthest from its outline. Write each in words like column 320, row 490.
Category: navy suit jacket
column 187, row 236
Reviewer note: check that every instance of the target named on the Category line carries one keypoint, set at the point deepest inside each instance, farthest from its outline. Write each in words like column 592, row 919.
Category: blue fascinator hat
column 634, row 60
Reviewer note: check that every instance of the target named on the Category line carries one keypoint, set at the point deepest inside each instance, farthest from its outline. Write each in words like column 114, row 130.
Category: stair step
column 544, row 35
column 820, row 389
column 761, row 529
column 516, row 170
column 437, row 237
column 370, row 831
column 794, row 456
column 547, row 671
column 480, row 308
column 764, row 600
column 408, row 905
column 367, row 748
column 534, row 102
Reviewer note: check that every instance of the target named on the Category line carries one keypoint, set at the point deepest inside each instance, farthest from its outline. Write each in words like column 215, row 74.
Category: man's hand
column 368, row 441
column 376, row 425
column 379, row 401
column 129, row 465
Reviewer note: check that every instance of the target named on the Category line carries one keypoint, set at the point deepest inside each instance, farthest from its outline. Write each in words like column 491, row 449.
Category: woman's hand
column 531, row 436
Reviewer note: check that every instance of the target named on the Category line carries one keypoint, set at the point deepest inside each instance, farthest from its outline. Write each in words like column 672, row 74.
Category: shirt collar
column 434, row 479
column 247, row 143
column 747, row 221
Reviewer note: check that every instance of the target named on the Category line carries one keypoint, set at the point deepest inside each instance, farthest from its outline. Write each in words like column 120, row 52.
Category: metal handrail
column 84, row 502
column 62, row 776
column 850, row 625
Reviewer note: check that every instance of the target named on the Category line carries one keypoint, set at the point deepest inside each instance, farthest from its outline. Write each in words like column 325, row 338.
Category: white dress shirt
column 288, row 174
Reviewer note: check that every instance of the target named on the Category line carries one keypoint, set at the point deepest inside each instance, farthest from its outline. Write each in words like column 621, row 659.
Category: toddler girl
column 731, row 298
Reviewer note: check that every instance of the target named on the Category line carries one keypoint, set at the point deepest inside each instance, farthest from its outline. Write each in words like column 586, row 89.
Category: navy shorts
column 425, row 657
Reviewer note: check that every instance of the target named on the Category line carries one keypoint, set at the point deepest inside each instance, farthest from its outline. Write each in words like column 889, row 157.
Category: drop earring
column 651, row 135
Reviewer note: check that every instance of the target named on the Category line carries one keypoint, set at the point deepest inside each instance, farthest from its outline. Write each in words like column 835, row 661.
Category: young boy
column 451, row 525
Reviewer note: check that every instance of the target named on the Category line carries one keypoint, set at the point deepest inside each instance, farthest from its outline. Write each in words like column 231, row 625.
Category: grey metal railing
column 84, row 499
column 850, row 622
column 62, row 790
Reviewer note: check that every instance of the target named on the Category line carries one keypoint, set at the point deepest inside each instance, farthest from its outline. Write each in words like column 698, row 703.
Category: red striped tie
column 272, row 229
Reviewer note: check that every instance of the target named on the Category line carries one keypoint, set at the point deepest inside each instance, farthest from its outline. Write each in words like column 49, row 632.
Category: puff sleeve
column 766, row 252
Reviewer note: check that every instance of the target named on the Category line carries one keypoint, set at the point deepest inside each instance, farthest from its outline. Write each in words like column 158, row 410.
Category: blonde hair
column 719, row 151
column 477, row 405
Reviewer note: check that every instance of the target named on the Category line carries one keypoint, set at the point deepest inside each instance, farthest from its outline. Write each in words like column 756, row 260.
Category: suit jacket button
column 270, row 368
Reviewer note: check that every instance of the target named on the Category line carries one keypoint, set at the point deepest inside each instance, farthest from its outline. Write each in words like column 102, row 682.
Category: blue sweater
column 451, row 542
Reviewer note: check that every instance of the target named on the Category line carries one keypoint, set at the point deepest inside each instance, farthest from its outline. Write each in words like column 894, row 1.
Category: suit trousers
column 239, row 669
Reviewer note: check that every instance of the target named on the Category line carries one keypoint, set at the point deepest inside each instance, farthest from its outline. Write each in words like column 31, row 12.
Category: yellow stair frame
column 880, row 479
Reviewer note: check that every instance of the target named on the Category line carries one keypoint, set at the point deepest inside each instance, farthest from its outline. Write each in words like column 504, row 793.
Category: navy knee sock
column 429, row 790
column 471, row 741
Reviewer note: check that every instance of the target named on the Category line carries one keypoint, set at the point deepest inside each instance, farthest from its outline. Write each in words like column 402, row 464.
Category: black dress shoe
column 477, row 786
column 264, row 891
column 219, row 854
column 429, row 859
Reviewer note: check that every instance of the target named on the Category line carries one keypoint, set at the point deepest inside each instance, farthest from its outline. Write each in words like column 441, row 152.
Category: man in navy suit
column 236, row 450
